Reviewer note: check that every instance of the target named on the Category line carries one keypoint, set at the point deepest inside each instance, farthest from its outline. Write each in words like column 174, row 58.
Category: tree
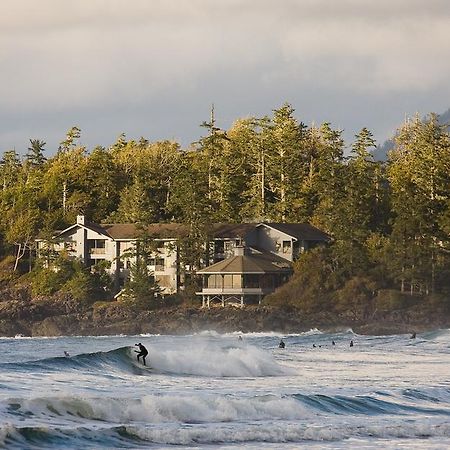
column 419, row 177
column 69, row 143
column 35, row 155
column 142, row 286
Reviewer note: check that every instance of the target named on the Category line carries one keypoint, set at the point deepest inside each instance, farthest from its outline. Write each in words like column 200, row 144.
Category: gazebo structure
column 245, row 278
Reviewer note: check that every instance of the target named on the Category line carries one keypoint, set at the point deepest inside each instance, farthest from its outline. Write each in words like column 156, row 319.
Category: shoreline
column 113, row 320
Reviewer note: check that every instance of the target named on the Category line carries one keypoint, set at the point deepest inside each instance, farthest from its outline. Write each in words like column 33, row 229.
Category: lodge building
column 245, row 262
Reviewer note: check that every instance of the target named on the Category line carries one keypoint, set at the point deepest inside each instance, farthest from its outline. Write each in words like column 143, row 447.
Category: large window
column 97, row 245
column 232, row 281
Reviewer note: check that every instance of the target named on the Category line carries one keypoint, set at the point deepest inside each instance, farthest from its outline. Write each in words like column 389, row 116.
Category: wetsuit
column 142, row 352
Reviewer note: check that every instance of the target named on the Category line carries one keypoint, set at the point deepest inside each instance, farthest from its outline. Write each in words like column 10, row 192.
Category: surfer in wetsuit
column 141, row 352
column 281, row 344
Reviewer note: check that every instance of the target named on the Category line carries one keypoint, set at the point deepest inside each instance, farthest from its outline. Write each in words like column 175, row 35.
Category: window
column 97, row 245
column 287, row 246
column 159, row 264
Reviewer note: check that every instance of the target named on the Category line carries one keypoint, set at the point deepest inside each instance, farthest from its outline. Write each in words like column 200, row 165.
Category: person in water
column 141, row 352
column 351, row 343
column 281, row 344
column 413, row 336
column 66, row 354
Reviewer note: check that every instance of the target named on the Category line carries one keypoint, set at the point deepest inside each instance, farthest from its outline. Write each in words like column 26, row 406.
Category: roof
column 253, row 263
column 154, row 230
column 301, row 231
column 89, row 225
column 231, row 230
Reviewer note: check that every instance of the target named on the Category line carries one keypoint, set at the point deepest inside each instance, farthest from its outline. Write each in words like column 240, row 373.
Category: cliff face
column 21, row 314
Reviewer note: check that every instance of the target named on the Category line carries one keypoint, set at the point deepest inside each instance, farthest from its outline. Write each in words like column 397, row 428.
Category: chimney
column 80, row 220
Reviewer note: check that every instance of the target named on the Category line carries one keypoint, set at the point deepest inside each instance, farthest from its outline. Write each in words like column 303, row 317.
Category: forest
column 389, row 220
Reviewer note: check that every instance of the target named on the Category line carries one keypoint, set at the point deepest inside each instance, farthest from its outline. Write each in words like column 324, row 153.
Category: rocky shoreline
column 66, row 317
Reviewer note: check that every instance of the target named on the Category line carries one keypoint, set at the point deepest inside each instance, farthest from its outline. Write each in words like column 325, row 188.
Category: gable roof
column 88, row 225
column 300, row 231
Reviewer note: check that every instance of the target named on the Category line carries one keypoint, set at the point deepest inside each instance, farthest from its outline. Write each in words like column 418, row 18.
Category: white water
column 215, row 391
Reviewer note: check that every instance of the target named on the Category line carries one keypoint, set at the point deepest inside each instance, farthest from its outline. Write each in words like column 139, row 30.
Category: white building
column 92, row 243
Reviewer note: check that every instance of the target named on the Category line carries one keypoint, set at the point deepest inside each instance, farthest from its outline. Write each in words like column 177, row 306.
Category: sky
column 153, row 68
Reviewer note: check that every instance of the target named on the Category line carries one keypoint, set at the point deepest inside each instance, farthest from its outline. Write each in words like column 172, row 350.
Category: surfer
column 141, row 352
column 351, row 343
column 413, row 336
column 66, row 354
column 281, row 344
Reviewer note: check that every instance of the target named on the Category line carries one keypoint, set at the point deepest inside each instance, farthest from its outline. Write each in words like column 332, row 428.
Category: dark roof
column 175, row 230
column 154, row 230
column 249, row 263
column 96, row 227
column 301, row 231
column 231, row 230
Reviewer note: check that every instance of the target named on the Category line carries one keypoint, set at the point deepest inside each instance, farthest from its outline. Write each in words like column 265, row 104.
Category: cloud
column 152, row 57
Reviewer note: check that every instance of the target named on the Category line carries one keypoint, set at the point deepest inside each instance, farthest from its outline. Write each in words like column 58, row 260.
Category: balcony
column 235, row 291
column 97, row 251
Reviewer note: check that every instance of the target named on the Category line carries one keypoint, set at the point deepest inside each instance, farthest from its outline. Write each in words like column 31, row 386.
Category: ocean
column 211, row 391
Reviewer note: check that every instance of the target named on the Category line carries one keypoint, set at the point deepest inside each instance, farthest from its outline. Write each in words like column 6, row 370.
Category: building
column 244, row 278
column 257, row 264
column 114, row 243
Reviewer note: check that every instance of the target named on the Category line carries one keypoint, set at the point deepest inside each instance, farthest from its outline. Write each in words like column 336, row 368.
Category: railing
column 97, row 251
column 214, row 291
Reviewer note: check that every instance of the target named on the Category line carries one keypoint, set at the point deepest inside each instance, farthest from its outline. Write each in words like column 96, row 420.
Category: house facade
column 114, row 243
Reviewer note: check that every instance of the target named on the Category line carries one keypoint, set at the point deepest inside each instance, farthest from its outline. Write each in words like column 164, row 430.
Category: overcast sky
column 153, row 68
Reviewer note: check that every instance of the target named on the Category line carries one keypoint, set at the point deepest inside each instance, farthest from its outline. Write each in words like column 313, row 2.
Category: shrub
column 392, row 300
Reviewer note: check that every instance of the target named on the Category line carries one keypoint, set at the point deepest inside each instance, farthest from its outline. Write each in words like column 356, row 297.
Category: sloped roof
column 231, row 230
column 155, row 230
column 174, row 230
column 254, row 264
column 301, row 231
column 89, row 225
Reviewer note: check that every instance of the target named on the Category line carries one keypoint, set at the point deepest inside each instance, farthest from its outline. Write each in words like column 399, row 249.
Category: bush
column 355, row 298
column 438, row 301
column 392, row 300
column 7, row 274
column 311, row 286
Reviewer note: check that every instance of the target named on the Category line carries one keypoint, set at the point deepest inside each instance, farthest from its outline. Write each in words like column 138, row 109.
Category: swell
column 117, row 359
column 213, row 408
column 218, row 359
column 141, row 435
column 406, row 402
